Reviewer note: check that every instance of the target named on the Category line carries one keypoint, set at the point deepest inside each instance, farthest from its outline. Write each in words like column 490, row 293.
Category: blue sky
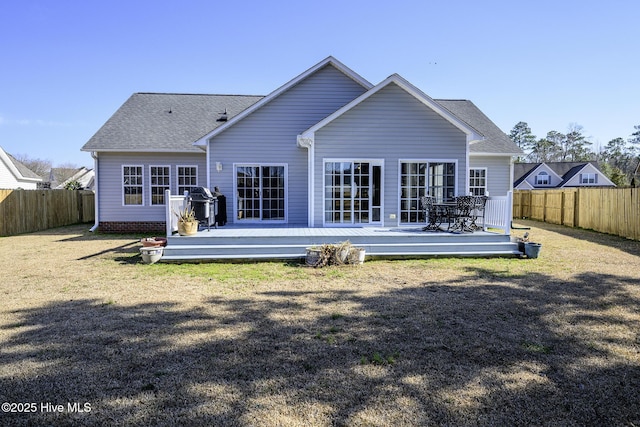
column 68, row 65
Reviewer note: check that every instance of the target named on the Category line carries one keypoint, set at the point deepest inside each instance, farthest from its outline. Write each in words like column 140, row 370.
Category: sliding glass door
column 352, row 192
column 422, row 178
column 261, row 193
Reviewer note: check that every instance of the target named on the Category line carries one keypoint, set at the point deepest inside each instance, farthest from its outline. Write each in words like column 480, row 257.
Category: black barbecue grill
column 205, row 206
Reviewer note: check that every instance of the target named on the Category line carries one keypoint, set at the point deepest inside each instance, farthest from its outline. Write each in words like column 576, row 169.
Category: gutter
column 95, row 168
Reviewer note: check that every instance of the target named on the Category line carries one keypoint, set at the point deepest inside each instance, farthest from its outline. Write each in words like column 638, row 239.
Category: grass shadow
column 488, row 350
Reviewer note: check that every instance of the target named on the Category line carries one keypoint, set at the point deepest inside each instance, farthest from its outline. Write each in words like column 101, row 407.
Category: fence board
column 607, row 210
column 24, row 211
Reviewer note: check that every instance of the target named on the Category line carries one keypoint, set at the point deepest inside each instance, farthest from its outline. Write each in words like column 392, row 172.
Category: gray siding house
column 546, row 175
column 326, row 149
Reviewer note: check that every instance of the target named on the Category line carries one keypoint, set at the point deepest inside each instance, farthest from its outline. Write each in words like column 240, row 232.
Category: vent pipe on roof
column 223, row 116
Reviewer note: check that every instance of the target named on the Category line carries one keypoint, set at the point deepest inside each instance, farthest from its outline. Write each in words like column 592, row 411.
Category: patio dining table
column 458, row 215
column 438, row 214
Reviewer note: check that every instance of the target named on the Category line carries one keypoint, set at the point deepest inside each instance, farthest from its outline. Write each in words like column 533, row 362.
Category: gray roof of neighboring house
column 566, row 170
column 496, row 141
column 24, row 171
column 165, row 121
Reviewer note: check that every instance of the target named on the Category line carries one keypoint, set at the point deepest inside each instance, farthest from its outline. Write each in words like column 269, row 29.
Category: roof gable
column 17, row 168
column 329, row 61
column 471, row 132
column 588, row 167
column 563, row 171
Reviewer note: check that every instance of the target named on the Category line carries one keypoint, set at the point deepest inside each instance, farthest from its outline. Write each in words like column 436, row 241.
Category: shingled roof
column 495, row 142
column 165, row 122
column 25, row 172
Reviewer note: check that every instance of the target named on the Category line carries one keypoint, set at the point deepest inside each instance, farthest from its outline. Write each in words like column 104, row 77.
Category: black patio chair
column 430, row 213
column 462, row 216
column 479, row 203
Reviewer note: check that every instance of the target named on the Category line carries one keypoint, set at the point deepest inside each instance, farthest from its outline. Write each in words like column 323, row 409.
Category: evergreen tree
column 522, row 136
column 575, row 146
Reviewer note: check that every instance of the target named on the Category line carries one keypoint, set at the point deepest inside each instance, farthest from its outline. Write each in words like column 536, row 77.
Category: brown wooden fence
column 607, row 210
column 24, row 211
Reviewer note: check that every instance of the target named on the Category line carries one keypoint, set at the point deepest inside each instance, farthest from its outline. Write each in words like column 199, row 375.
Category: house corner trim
column 308, row 142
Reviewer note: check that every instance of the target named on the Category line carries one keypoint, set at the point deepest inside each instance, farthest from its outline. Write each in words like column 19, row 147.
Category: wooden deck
column 233, row 242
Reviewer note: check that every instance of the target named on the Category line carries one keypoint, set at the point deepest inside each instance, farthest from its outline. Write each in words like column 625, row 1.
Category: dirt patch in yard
column 441, row 341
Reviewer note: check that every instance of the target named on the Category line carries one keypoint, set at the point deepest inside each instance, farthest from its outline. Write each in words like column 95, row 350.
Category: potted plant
column 187, row 222
column 527, row 247
column 334, row 254
column 153, row 242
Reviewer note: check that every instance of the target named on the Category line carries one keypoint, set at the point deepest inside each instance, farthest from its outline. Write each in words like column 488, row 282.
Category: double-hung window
column 542, row 178
column 160, row 179
column 187, row 178
column 478, row 181
column 132, row 185
column 588, row 178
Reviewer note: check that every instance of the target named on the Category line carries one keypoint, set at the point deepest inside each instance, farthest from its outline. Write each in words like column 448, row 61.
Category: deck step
column 263, row 251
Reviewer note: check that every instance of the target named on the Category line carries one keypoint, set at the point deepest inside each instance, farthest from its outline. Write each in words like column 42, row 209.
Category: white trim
column 488, row 154
column 291, row 83
column 532, row 174
column 309, row 144
column 539, row 181
column 96, row 193
column 14, row 170
column 427, row 161
column 235, row 192
column 596, row 171
column 151, row 185
column 208, row 163
column 525, row 185
column 142, row 150
column 372, row 162
column 177, row 187
column 472, row 134
column 486, row 178
column 141, row 166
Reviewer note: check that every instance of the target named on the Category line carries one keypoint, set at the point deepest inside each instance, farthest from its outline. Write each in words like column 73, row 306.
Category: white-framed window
column 588, row 178
column 159, row 181
column 132, row 185
column 542, row 178
column 187, row 178
column 478, row 181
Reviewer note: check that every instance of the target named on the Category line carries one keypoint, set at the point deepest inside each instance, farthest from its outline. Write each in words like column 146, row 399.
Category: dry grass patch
column 441, row 341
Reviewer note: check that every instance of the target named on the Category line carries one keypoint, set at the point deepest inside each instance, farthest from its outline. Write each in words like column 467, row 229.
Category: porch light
column 219, row 166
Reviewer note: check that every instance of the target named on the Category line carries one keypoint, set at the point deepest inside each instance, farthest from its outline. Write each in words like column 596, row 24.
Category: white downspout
column 97, row 185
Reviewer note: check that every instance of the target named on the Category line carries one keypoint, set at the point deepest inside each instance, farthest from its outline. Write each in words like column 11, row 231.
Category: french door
column 261, row 193
column 352, row 192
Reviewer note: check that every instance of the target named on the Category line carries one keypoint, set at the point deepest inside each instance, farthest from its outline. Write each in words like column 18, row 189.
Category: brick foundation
column 132, row 227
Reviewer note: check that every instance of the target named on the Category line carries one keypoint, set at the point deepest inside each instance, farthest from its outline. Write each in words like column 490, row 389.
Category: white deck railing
column 498, row 212
column 174, row 203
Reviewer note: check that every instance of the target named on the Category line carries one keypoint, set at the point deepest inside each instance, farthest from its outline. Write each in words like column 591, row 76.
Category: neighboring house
column 84, row 176
column 529, row 176
column 14, row 174
column 326, row 149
